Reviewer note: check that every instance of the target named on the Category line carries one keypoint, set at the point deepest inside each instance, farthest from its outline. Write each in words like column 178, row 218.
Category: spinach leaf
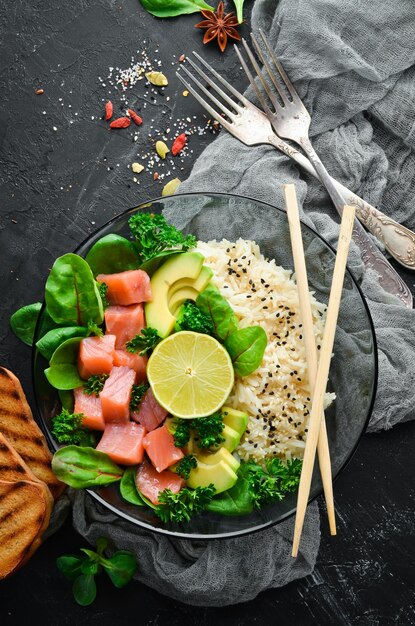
column 239, row 4
column 112, row 254
column 70, row 565
column 246, row 348
column 128, row 488
column 84, row 589
column 171, row 8
column 67, row 399
column 71, row 293
column 62, row 372
column 234, row 501
column 151, row 265
column 217, row 308
column 82, row 467
column 23, row 322
column 54, row 338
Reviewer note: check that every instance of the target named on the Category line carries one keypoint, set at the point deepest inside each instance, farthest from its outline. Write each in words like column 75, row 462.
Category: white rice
column 276, row 396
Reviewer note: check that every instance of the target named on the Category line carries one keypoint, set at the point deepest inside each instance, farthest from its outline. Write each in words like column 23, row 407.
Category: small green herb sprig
column 95, row 384
column 137, row 394
column 81, row 570
column 67, row 429
column 144, row 342
column 184, row 467
column 154, row 235
column 207, row 430
column 180, row 507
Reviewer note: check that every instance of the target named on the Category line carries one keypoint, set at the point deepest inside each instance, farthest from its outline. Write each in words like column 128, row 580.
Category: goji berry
column 178, row 144
column 135, row 117
column 109, row 109
column 121, row 122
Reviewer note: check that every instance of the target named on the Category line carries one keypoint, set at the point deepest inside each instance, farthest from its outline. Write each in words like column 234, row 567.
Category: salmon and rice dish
column 181, row 371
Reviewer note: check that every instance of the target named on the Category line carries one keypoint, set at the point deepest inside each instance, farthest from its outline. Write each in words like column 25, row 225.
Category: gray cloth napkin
column 352, row 65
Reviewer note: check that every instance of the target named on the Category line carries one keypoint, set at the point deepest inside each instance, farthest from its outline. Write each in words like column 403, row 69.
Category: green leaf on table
column 84, row 589
column 70, row 565
column 71, row 292
column 112, row 254
column 239, row 4
column 246, row 348
column 83, row 467
column 171, row 8
column 120, row 567
column 62, row 372
column 23, row 322
column 211, row 302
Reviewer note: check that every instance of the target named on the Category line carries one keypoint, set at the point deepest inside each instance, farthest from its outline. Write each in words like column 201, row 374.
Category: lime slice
column 190, row 374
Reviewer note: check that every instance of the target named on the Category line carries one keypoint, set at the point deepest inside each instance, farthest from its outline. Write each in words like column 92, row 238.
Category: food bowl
column 353, row 370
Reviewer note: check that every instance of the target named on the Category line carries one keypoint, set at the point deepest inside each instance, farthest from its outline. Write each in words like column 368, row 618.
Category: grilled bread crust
column 17, row 424
column 25, row 508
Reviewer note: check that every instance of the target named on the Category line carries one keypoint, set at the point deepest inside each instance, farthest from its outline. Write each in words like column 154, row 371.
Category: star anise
column 219, row 25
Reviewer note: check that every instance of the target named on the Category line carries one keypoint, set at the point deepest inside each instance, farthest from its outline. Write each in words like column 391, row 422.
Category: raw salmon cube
column 125, row 322
column 123, row 443
column 130, row 287
column 150, row 482
column 149, row 413
column 116, row 394
column 159, row 445
column 133, row 361
column 91, row 408
column 96, row 355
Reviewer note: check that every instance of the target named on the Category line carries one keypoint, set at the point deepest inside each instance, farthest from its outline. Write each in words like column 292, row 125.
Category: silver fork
column 251, row 126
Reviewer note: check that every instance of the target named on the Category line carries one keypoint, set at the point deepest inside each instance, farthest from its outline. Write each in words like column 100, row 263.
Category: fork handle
column 398, row 240
column 371, row 255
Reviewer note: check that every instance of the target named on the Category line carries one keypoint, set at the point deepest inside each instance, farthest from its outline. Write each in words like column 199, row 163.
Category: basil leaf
column 62, row 372
column 128, row 487
column 121, row 567
column 70, row 566
column 71, row 293
column 23, row 322
column 112, row 254
column 234, row 501
column 85, row 589
column 82, row 467
column 217, row 308
column 239, row 10
column 54, row 338
column 246, row 348
column 171, row 8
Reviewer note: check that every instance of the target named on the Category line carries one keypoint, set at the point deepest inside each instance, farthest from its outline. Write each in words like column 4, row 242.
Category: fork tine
column 279, row 67
column 214, row 86
column 267, row 90
column 220, row 78
column 252, row 81
column 270, row 73
column 220, row 105
column 205, row 104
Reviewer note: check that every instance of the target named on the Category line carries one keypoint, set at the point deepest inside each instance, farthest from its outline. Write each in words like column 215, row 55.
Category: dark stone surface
column 56, row 188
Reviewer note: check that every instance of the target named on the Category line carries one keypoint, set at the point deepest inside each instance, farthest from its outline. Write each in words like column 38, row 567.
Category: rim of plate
column 284, row 517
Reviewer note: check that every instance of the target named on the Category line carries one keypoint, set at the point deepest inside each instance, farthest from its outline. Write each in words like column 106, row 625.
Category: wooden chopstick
column 320, row 384
column 310, row 343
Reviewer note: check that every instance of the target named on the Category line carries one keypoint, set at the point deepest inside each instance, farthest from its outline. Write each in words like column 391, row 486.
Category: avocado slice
column 235, row 419
column 232, row 438
column 199, row 283
column 221, row 455
column 219, row 474
column 180, row 296
column 157, row 312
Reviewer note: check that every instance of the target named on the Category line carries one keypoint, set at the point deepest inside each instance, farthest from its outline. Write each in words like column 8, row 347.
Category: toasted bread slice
column 17, row 424
column 25, row 508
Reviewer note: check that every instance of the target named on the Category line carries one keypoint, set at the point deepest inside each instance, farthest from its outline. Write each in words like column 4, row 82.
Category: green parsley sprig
column 95, row 384
column 144, row 342
column 137, row 394
column 185, row 465
column 67, row 429
column 180, row 507
column 154, row 235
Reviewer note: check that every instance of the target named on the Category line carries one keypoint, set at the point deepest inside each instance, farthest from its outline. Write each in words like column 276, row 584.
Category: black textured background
column 56, row 188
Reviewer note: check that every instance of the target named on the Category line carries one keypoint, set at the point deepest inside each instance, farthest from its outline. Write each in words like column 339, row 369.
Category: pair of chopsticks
column 318, row 370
